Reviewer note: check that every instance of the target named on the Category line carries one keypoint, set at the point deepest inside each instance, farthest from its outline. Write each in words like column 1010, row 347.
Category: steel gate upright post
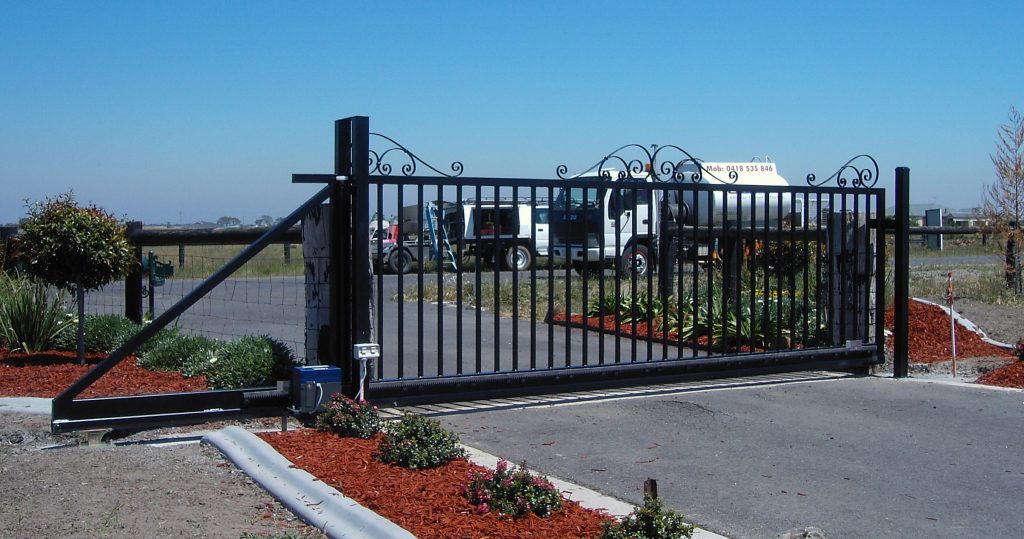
column 133, row 281
column 901, row 341
column 350, row 300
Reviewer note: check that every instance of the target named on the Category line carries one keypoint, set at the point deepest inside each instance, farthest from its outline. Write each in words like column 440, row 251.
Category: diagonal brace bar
column 63, row 403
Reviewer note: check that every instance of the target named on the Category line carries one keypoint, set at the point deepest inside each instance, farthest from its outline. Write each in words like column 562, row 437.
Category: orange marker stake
column 950, row 296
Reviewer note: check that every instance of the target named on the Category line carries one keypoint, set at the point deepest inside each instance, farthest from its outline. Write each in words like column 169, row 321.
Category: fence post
column 6, row 234
column 181, row 255
column 901, row 273
column 350, row 234
column 133, row 281
column 287, row 253
column 316, row 241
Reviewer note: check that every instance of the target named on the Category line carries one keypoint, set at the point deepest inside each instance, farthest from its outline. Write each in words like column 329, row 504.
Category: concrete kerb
column 311, row 500
column 322, row 506
column 26, row 405
column 587, row 498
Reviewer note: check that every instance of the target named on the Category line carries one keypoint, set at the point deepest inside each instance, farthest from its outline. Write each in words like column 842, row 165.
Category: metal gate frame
column 364, row 170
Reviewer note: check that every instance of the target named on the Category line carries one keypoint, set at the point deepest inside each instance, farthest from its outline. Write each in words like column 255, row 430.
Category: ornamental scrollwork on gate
column 379, row 161
column 859, row 172
column 667, row 163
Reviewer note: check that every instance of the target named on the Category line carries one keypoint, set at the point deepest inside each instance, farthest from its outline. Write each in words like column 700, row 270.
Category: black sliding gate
column 651, row 265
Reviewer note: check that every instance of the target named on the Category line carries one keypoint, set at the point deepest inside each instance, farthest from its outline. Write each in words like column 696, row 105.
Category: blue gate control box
column 312, row 387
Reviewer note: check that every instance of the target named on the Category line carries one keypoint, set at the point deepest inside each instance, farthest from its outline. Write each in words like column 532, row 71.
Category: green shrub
column 104, row 333
column 170, row 351
column 348, row 418
column 417, row 442
column 651, row 521
column 511, row 492
column 73, row 247
column 247, row 362
column 29, row 319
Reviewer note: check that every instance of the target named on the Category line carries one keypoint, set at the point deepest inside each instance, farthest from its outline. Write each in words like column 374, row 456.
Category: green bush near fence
column 104, row 333
column 187, row 354
column 248, row 362
column 31, row 320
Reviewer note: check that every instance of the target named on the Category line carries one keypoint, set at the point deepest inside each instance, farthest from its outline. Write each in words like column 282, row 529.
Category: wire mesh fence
column 264, row 297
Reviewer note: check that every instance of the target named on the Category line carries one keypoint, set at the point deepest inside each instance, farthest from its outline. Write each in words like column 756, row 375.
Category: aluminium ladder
column 432, row 214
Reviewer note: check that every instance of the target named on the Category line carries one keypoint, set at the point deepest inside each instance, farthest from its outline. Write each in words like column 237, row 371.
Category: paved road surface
column 856, row 457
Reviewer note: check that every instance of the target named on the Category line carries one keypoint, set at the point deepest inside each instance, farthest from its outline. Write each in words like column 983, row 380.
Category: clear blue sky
column 149, row 109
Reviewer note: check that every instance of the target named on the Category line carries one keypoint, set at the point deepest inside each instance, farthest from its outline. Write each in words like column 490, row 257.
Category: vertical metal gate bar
column 792, row 263
column 805, row 260
column 740, row 257
column 400, row 278
column 440, row 255
column 515, row 277
column 534, row 219
column 496, row 270
column 459, row 269
column 549, row 317
column 379, row 275
column 844, row 270
column 817, row 266
column 855, row 271
column 649, row 197
column 585, row 278
column 419, row 282
column 479, row 267
column 778, row 267
column 617, row 279
column 695, row 270
column 766, row 303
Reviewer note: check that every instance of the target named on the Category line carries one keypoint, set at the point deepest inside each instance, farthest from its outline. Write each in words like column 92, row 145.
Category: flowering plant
column 1018, row 349
column 349, row 418
column 511, row 491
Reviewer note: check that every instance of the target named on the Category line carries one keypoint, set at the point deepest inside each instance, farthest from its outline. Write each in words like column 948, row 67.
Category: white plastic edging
column 966, row 323
column 310, row 499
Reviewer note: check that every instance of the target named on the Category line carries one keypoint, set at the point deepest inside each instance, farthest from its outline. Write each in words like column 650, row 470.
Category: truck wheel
column 636, row 260
column 400, row 262
column 518, row 258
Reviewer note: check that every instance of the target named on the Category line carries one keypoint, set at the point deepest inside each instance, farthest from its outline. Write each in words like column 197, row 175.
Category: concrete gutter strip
column 311, row 500
column 26, row 405
column 966, row 323
column 589, row 499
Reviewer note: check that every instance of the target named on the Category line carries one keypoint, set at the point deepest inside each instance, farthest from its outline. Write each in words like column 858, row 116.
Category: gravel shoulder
column 135, row 490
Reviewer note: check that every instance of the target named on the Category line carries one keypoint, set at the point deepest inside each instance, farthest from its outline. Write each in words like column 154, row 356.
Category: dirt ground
column 185, row 490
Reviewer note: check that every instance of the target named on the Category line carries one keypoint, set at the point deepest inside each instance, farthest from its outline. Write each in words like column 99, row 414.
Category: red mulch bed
column 47, row 374
column 427, row 503
column 930, row 339
column 1011, row 375
column 641, row 329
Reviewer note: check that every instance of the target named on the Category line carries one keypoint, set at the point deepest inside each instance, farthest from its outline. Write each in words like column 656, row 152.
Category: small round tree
column 75, row 249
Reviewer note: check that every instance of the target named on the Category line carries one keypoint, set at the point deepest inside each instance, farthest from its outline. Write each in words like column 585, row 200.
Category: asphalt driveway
column 856, row 457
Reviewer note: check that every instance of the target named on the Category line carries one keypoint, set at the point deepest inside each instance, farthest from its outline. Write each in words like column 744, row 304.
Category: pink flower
column 482, row 509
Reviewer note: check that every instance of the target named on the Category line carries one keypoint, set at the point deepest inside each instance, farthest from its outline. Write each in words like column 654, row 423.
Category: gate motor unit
column 312, row 387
